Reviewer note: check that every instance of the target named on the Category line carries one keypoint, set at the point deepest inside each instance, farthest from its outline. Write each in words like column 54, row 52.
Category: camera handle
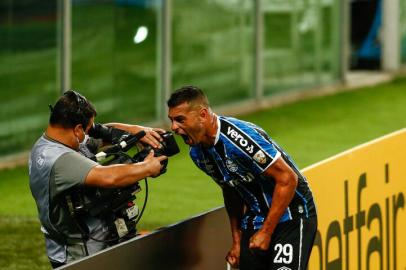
column 123, row 145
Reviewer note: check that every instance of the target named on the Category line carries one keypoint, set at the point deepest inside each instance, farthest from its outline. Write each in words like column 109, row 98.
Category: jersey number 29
column 284, row 253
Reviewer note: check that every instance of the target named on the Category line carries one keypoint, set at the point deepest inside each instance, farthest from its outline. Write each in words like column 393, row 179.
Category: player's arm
column 235, row 210
column 285, row 185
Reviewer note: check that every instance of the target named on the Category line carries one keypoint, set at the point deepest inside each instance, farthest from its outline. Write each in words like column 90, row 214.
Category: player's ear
column 203, row 112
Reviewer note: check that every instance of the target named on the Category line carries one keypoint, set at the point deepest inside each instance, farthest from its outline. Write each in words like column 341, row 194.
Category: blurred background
column 127, row 56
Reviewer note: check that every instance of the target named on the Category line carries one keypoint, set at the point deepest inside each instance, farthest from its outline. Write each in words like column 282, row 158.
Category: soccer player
column 270, row 206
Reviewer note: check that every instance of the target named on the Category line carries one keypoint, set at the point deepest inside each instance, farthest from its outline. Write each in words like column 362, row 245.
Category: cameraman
column 56, row 168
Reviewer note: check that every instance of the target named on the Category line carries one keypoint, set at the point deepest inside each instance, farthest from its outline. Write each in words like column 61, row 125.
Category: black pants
column 290, row 247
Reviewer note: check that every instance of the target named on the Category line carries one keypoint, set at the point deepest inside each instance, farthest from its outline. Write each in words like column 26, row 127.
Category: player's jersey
column 241, row 153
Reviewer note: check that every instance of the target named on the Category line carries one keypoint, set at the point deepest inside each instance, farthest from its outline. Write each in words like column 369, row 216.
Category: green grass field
column 309, row 130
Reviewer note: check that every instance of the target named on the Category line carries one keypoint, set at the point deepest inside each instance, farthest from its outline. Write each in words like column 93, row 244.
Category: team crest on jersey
column 260, row 157
column 231, row 165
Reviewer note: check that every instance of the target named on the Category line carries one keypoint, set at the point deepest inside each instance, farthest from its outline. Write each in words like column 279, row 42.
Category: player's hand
column 154, row 165
column 233, row 256
column 152, row 136
column 260, row 240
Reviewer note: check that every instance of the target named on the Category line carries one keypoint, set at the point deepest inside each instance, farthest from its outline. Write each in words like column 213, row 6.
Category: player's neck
column 211, row 131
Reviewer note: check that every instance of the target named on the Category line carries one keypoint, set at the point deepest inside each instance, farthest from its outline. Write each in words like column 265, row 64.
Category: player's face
column 187, row 122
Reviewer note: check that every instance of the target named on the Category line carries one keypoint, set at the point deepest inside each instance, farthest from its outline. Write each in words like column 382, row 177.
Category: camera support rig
column 117, row 205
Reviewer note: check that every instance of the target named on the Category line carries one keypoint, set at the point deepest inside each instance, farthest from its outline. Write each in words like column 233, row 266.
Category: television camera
column 117, row 206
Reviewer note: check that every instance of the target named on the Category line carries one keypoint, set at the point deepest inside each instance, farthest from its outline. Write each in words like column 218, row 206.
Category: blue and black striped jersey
column 241, row 153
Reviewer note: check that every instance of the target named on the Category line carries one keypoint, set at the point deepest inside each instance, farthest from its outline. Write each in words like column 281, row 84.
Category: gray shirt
column 55, row 170
column 69, row 171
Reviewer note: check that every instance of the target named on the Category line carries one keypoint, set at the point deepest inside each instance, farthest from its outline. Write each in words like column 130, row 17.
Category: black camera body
column 117, row 206
column 168, row 148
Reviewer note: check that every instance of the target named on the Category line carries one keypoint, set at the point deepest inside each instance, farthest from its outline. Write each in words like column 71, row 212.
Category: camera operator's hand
column 152, row 136
column 155, row 164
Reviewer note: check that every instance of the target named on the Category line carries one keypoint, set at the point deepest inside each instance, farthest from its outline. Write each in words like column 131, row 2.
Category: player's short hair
column 71, row 109
column 189, row 94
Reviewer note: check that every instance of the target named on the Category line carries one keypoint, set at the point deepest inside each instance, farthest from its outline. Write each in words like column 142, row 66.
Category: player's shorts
column 290, row 247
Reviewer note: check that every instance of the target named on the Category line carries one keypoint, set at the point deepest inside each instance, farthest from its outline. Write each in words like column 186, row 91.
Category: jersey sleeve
column 71, row 169
column 252, row 144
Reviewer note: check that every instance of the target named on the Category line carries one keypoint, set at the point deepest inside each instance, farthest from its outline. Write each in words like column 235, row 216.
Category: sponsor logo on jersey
column 247, row 178
column 209, row 168
column 205, row 163
column 244, row 142
column 240, row 140
column 232, row 183
column 260, row 157
column 231, row 165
